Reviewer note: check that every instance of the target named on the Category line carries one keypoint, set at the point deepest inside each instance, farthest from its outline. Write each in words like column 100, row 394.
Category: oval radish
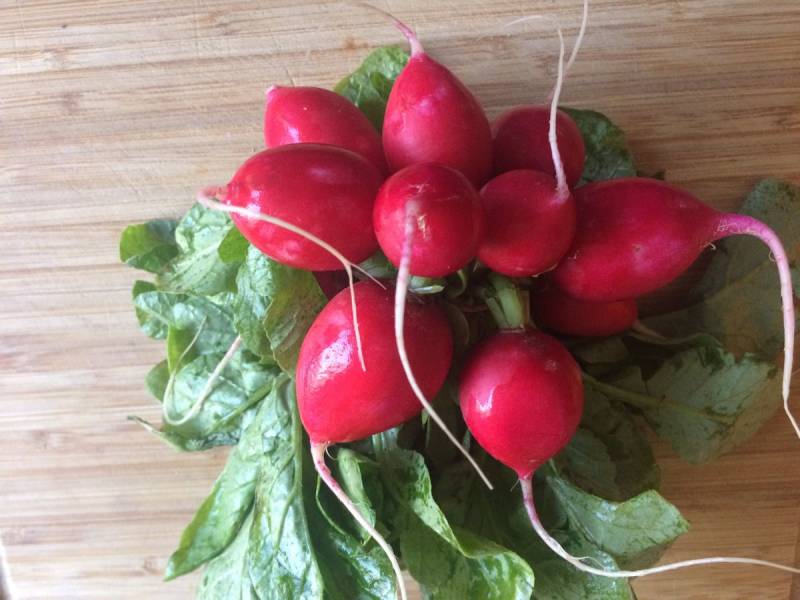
column 432, row 117
column 445, row 216
column 521, row 142
column 560, row 312
column 325, row 190
column 294, row 115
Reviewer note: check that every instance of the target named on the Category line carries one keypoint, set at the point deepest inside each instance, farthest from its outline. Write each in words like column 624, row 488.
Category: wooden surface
column 115, row 111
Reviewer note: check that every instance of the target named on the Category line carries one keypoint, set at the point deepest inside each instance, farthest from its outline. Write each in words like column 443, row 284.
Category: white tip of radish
column 408, row 33
column 401, row 290
column 206, row 198
column 318, row 456
column 731, row 224
column 555, row 546
column 579, row 39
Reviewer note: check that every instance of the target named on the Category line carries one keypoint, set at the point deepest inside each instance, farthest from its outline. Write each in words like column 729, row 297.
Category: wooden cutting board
column 115, row 111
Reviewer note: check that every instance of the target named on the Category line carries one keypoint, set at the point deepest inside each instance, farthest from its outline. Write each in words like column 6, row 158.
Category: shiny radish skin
column 325, row 190
column 522, row 398
column 295, row 115
column 341, row 402
column 431, row 116
column 446, row 219
column 520, row 142
column 557, row 311
column 529, row 225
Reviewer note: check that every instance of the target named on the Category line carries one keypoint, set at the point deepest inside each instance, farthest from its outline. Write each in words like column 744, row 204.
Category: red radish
column 560, row 312
column 322, row 189
column 636, row 235
column 522, row 398
column 446, row 214
column 530, row 216
column 339, row 402
column 294, row 115
column 529, row 226
column 521, row 142
column 432, row 117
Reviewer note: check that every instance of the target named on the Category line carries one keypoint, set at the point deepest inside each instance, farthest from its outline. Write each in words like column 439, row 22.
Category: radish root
column 401, row 291
column 731, row 224
column 555, row 546
column 318, row 455
column 408, row 33
column 206, row 198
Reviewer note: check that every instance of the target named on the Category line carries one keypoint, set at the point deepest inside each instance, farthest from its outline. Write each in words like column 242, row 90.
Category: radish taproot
column 294, row 115
column 325, row 190
column 521, row 142
column 340, row 402
column 635, row 235
column 431, row 116
column 522, row 398
column 560, row 312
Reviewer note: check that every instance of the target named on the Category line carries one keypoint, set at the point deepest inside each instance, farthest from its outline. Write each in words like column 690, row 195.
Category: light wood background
column 115, row 111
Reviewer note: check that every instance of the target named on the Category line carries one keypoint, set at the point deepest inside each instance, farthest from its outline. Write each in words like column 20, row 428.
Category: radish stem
column 318, row 455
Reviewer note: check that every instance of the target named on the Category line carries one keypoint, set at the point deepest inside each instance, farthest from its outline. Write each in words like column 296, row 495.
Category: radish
column 339, row 402
column 295, row 115
column 325, row 190
column 555, row 310
column 530, row 216
column 432, row 117
column 522, row 398
column 635, row 235
column 429, row 220
column 520, row 142
column 447, row 218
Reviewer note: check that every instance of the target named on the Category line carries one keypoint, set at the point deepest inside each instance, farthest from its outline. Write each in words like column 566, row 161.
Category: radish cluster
column 439, row 190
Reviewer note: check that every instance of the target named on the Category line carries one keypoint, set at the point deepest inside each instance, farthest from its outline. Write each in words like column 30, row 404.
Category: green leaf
column 635, row 532
column 149, row 246
column 226, row 577
column 281, row 557
column 152, row 325
column 198, row 268
column 156, row 380
column 607, row 154
column 379, row 267
column 368, row 86
column 233, row 247
column 447, row 563
column 609, row 456
column 180, row 348
column 348, row 467
column 700, row 397
column 738, row 300
column 220, row 516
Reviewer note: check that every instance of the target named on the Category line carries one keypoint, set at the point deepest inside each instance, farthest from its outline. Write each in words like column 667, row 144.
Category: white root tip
column 205, row 197
column 408, row 33
column 579, row 39
column 318, row 456
column 399, row 326
column 555, row 546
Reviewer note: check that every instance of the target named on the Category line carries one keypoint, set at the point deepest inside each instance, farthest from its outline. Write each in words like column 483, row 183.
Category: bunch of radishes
column 440, row 188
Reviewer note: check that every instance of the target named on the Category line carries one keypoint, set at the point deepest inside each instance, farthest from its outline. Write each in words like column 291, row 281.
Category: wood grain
column 113, row 112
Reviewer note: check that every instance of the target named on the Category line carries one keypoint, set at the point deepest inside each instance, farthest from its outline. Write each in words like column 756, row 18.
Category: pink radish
column 636, row 235
column 432, row 117
column 339, row 402
column 521, row 142
column 295, row 115
column 530, row 216
column 559, row 312
column 325, row 190
column 447, row 218
column 522, row 398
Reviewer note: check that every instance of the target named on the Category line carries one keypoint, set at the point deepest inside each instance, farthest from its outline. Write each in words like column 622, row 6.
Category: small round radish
column 529, row 226
column 560, row 312
column 340, row 402
column 432, row 117
column 325, row 190
column 294, row 115
column 521, row 142
column 445, row 213
column 522, row 398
